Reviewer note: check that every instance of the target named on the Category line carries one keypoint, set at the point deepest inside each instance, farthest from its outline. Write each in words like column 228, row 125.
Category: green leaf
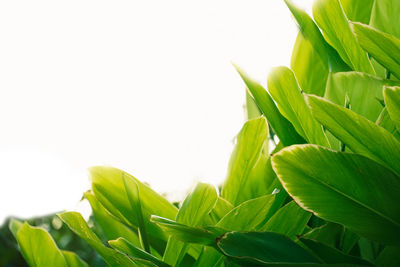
column 385, row 16
column 332, row 20
column 107, row 185
column 281, row 126
column 281, row 224
column 263, row 248
column 310, row 70
column 386, row 122
column 252, row 111
column 73, row 260
column 363, row 91
column 248, row 215
column 392, row 100
column 331, row 255
column 359, row 134
column 357, row 10
column 197, row 205
column 327, row 55
column 186, row 233
column 335, row 181
column 132, row 192
column 14, row 226
column 385, row 48
column 329, row 234
column 77, row 224
column 248, row 158
column 111, row 226
column 221, row 208
column 37, row 246
column 284, row 89
column 389, row 257
column 128, row 248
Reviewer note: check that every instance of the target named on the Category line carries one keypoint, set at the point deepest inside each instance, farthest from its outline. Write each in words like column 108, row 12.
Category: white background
column 146, row 86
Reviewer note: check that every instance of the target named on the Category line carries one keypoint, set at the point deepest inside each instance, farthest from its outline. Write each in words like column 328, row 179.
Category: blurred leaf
column 331, row 18
column 385, row 16
column 357, row 10
column 281, row 126
column 290, row 220
column 37, row 246
column 331, row 255
column 77, row 224
column 392, row 100
column 359, row 134
column 389, row 257
column 247, row 157
column 284, row 89
column 363, row 91
column 386, row 122
column 73, row 260
column 385, row 48
column 263, row 248
column 334, row 179
column 128, row 248
column 252, row 110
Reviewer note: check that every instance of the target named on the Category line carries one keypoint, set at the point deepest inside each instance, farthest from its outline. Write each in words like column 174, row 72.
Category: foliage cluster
column 327, row 194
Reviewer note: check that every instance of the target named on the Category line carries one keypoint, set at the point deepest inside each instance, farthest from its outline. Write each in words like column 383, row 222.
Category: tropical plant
column 327, row 193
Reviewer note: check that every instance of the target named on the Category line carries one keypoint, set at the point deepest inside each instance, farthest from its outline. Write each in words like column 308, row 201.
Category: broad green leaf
column 132, row 192
column 310, row 70
column 38, row 247
column 385, row 48
column 385, row 16
column 359, row 134
column 73, row 260
column 333, row 22
column 290, row 220
column 196, row 206
column 263, row 248
column 357, row 10
column 286, row 92
column 363, row 91
column 188, row 234
column 107, row 185
column 77, row 224
column 331, row 255
column 392, row 101
column 128, row 248
column 389, row 257
column 281, row 126
column 309, row 30
column 246, row 170
column 111, row 226
column 248, row 215
column 332, row 181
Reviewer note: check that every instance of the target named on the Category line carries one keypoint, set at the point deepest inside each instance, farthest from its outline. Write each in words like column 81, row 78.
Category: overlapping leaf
column 334, row 181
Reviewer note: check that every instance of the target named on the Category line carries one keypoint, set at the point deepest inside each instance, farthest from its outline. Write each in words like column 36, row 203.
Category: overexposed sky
column 145, row 86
